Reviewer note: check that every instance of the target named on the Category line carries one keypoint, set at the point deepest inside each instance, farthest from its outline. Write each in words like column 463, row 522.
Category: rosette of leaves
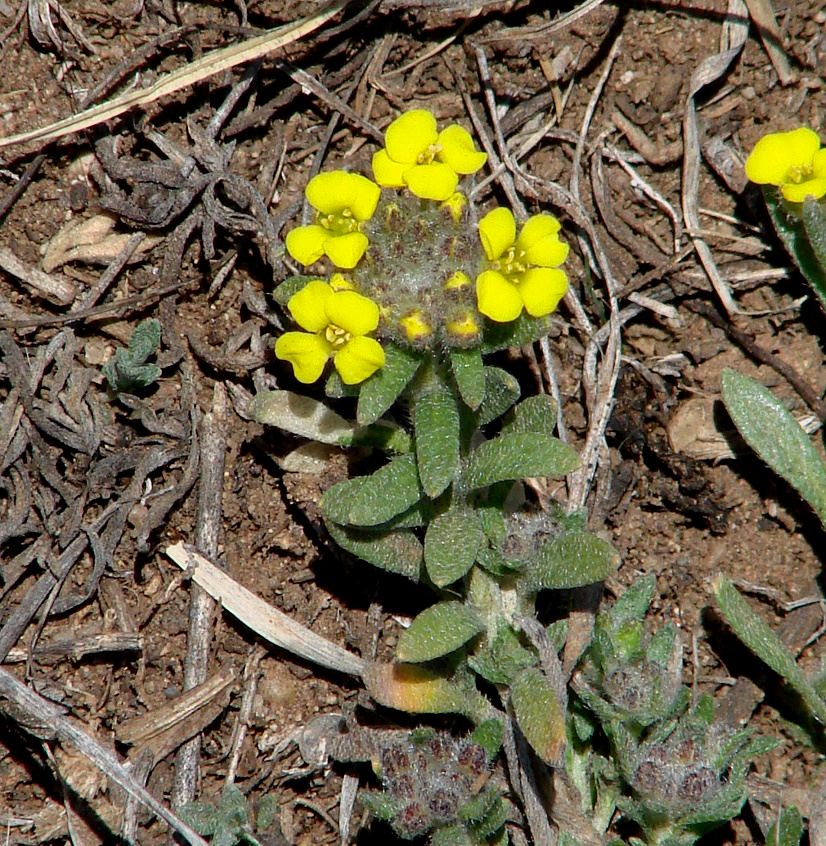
column 438, row 511
column 639, row 747
column 230, row 821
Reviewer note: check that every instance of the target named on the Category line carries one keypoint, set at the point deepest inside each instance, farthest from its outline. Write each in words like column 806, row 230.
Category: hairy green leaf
column 518, row 457
column 788, row 830
column 385, row 386
column 127, row 370
column 266, row 811
column 488, row 735
column 540, row 715
column 791, row 226
column 418, row 690
column 202, row 816
column 574, row 560
column 771, row 431
column 504, row 658
column 501, row 392
column 335, row 388
column 492, row 561
column 469, row 373
column 436, row 424
column 437, row 631
column 301, row 415
column 371, row 500
column 450, row 546
column 451, row 835
column 396, row 551
column 534, row 414
column 524, row 330
column 765, row 644
column 384, row 435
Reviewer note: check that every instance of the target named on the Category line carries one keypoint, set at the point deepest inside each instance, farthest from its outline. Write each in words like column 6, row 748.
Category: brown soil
column 70, row 451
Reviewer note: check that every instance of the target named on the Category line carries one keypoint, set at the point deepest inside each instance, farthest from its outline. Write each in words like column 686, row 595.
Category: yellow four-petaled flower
column 523, row 271
column 793, row 161
column 337, row 323
column 426, row 161
column 342, row 201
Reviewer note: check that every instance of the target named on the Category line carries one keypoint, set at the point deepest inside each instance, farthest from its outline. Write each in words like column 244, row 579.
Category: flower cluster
column 793, row 161
column 419, row 271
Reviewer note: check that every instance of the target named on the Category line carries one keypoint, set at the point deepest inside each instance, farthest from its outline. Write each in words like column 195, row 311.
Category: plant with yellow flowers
column 406, row 288
column 791, row 167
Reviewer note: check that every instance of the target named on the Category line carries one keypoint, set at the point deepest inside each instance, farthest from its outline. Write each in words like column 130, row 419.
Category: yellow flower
column 415, row 326
column 523, row 271
column 793, row 161
column 424, row 160
column 342, row 201
column 336, row 323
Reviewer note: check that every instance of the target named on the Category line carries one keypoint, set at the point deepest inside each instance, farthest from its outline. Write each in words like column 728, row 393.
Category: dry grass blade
column 269, row 622
column 197, row 71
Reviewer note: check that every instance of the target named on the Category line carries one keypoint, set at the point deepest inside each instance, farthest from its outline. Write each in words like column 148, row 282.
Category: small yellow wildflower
column 424, row 160
column 523, row 271
column 415, row 326
column 336, row 323
column 793, row 161
column 342, row 201
column 466, row 327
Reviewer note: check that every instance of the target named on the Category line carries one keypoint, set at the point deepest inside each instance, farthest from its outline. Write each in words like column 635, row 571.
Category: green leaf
column 395, row 551
column 764, row 643
column 437, row 631
column 418, row 690
column 202, row 816
column 540, row 715
column 771, row 431
column 127, row 370
column 381, row 805
column 501, row 392
column 792, row 224
column 788, row 830
column 517, row 333
column 493, row 525
column 301, row 415
column 633, row 604
column 384, row 435
column 436, row 424
column 488, row 735
column 451, row 835
column 290, row 287
column 504, row 658
column 450, row 546
column 477, row 807
column 519, row 457
column 469, row 373
column 534, row 414
column 496, row 817
column 496, row 564
column 267, row 809
column 336, row 389
column 371, row 500
column 574, row 560
column 384, row 387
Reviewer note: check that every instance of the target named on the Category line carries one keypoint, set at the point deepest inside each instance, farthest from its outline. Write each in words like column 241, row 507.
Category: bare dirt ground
column 94, row 616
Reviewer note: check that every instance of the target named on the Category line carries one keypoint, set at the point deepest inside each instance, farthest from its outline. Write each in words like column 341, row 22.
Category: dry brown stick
column 806, row 392
column 202, row 609
column 239, row 728
column 41, row 711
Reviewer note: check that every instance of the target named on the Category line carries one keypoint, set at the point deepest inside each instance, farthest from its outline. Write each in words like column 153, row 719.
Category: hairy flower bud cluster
column 430, row 780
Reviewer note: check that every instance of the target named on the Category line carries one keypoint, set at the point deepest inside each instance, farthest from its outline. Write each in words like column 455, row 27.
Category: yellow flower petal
column 456, row 204
column 537, row 228
column 435, row 181
column 306, row 243
column 307, row 353
column 352, row 312
column 458, row 150
column 776, row 153
column 498, row 298
column 541, row 289
column 330, row 192
column 365, row 197
column 819, row 163
column 410, row 135
column 796, row 192
column 388, row 173
column 539, row 241
column 359, row 359
column 345, row 250
column 497, row 231
column 308, row 306
column 415, row 327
